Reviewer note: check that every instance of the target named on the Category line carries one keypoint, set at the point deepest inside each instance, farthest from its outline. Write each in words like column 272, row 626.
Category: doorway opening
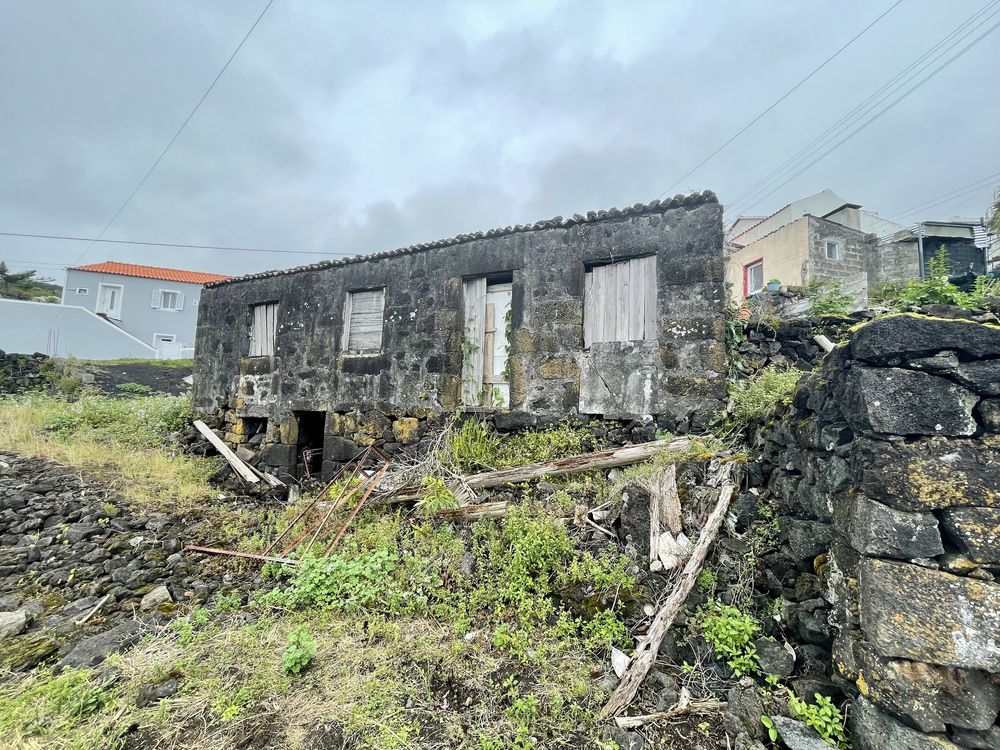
column 486, row 342
column 309, row 448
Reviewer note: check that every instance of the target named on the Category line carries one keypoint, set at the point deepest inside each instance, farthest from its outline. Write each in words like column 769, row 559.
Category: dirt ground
column 160, row 379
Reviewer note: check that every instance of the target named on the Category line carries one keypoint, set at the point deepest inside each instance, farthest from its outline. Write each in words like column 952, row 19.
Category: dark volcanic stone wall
column 678, row 377
column 23, row 372
column 887, row 473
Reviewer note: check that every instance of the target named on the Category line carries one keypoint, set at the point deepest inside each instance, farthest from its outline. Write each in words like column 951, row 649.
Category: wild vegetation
column 936, row 289
column 122, row 441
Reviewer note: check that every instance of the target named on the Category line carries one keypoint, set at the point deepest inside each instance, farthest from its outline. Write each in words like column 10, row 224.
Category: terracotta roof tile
column 152, row 272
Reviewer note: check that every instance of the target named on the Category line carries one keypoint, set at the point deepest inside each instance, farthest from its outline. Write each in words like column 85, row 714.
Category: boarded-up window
column 363, row 320
column 263, row 325
column 619, row 301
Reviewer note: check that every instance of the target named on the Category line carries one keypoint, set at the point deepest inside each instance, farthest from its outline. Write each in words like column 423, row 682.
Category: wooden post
column 645, row 653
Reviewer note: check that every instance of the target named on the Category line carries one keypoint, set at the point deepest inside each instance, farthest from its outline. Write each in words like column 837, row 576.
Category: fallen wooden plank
column 608, row 459
column 247, row 555
column 645, row 653
column 238, row 466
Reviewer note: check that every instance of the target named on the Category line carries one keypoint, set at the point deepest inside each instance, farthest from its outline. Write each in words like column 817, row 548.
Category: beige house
column 820, row 236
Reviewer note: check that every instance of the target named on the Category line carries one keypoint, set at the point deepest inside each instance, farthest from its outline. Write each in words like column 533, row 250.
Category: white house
column 158, row 306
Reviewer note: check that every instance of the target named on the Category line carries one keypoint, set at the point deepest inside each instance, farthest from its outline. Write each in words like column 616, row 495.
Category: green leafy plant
column 435, row 497
column 300, row 652
column 772, row 730
column 472, row 447
column 823, row 716
column 729, row 632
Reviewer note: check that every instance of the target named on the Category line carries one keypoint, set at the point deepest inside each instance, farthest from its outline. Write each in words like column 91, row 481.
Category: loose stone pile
column 65, row 545
column 887, row 473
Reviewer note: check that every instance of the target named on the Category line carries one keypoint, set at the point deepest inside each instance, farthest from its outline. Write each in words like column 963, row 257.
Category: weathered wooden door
column 486, row 344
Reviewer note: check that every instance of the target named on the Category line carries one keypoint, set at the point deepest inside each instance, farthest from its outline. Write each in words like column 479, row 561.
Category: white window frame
column 178, row 300
column 747, row 270
column 349, row 321
column 82, row 291
column 263, row 329
column 836, row 249
column 121, row 300
column 619, row 301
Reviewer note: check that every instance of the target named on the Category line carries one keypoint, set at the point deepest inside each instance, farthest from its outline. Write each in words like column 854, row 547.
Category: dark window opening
column 309, row 451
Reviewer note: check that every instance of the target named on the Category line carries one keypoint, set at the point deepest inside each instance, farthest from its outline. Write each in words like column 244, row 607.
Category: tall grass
column 121, row 442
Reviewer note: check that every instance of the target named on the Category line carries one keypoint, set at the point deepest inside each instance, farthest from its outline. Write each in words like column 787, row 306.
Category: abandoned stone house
column 617, row 315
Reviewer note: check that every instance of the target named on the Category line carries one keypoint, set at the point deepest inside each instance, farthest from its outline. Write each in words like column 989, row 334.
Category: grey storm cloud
column 349, row 127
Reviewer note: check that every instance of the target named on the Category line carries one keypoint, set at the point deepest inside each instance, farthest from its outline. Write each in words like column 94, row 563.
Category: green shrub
column 828, row 298
column 757, row 397
column 936, row 289
column 472, row 447
column 300, row 652
column 559, row 441
column 139, row 422
column 347, row 581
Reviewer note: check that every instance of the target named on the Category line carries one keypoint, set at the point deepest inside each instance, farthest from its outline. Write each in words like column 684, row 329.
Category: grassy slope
column 413, row 653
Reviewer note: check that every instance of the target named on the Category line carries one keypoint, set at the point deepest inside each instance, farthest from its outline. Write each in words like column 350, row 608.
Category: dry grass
column 148, row 476
column 398, row 684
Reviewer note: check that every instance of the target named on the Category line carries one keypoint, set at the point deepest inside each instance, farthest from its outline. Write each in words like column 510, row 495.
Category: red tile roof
column 152, row 272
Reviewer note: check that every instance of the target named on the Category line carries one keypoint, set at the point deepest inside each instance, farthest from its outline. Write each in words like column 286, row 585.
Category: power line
column 71, row 238
column 868, row 122
column 778, row 101
column 958, row 192
column 176, row 135
column 880, row 95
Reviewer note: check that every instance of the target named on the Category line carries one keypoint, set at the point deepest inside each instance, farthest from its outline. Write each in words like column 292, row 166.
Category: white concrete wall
column 138, row 316
column 64, row 331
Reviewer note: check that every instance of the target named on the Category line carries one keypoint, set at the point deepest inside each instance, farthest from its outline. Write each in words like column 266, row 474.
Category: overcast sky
column 353, row 127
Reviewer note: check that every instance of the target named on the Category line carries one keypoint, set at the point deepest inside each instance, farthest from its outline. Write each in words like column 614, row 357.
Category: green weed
column 300, row 652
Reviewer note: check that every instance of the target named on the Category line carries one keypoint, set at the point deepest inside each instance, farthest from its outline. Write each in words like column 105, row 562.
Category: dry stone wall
column 23, row 372
column 887, row 473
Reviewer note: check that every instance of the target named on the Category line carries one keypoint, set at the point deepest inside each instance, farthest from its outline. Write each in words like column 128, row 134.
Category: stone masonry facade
column 887, row 473
column 313, row 395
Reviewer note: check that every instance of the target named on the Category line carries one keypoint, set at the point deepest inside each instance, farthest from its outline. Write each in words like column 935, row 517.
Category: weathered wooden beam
column 645, row 653
column 608, row 459
column 238, row 466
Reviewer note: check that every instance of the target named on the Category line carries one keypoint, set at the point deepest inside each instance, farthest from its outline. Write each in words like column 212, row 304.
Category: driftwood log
column 645, row 653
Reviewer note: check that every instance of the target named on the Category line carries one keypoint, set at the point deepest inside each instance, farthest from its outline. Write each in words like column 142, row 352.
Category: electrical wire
column 879, row 114
column 71, row 238
column 780, row 99
column 876, row 98
column 176, row 135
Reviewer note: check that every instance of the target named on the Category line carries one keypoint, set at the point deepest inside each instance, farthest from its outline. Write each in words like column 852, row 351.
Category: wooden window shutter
column 363, row 313
column 263, row 327
column 620, row 301
column 155, row 302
